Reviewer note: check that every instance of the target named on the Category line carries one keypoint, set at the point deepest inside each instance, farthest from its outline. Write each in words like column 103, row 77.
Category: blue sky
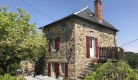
column 122, row 14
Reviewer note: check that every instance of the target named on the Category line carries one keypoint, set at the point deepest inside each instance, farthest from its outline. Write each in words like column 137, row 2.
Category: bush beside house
column 9, row 77
column 111, row 71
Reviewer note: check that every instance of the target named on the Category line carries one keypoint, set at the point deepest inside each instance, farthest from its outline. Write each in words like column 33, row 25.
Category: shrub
column 12, row 68
column 9, row 77
column 98, row 65
column 108, row 71
column 1, row 71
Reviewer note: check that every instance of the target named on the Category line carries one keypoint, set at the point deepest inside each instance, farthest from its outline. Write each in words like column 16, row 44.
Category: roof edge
column 58, row 20
column 79, row 17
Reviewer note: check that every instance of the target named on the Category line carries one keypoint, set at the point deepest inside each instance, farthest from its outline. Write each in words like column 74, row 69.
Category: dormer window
column 91, row 15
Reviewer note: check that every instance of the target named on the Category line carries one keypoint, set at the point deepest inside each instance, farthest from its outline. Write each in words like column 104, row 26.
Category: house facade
column 74, row 41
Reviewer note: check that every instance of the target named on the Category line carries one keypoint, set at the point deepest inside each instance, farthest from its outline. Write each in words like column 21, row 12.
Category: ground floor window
column 62, row 68
column 54, row 69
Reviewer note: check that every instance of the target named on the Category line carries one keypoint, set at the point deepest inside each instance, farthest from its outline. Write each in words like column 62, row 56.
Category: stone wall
column 27, row 64
column 73, row 36
column 106, row 38
column 67, row 42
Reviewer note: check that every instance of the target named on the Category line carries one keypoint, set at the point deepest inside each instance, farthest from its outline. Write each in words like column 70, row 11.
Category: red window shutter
column 88, row 46
column 58, row 41
column 50, row 41
column 96, row 44
column 66, row 69
column 49, row 69
column 57, row 69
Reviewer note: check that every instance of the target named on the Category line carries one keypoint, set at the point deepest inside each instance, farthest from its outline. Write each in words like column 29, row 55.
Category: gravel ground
column 40, row 77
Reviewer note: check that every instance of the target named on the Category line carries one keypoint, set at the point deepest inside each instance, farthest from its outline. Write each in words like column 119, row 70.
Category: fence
column 112, row 53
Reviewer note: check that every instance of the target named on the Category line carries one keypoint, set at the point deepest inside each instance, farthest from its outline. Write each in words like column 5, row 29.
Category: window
column 48, row 30
column 91, row 42
column 54, row 42
column 62, row 68
column 54, row 68
column 63, row 26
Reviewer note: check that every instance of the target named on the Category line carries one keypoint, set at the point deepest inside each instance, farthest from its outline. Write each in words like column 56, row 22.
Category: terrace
column 110, row 53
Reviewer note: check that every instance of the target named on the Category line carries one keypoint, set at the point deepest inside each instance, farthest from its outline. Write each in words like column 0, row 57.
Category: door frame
column 94, row 36
column 93, row 47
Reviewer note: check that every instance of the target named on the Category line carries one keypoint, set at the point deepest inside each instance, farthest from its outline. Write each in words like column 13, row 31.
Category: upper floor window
column 54, row 43
column 48, row 30
column 63, row 26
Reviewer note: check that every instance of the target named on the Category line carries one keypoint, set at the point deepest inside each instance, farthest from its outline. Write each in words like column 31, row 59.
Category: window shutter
column 49, row 69
column 96, row 45
column 58, row 41
column 88, row 46
column 50, row 41
column 66, row 69
column 57, row 69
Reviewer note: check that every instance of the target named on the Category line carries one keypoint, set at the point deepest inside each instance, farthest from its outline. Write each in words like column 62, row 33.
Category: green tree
column 19, row 39
column 131, row 59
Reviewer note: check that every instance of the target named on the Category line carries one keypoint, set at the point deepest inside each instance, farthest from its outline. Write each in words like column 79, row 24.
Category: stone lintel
column 57, row 60
column 91, row 35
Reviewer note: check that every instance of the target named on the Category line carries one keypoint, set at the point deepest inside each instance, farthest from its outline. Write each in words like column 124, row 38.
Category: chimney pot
column 98, row 9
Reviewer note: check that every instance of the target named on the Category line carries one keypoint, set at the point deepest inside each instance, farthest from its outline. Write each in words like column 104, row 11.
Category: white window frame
column 63, row 73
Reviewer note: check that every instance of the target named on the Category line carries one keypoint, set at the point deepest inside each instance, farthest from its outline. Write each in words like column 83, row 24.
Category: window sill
column 54, row 50
column 62, row 74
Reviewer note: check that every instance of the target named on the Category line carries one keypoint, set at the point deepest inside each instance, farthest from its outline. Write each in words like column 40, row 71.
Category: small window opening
column 54, row 43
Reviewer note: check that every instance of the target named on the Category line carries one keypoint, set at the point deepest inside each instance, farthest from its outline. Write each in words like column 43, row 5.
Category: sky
column 122, row 14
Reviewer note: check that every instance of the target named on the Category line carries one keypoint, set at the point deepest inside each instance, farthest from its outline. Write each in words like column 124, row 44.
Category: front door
column 91, row 47
column 54, row 69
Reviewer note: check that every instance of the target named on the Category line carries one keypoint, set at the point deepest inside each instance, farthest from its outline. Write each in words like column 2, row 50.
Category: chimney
column 98, row 9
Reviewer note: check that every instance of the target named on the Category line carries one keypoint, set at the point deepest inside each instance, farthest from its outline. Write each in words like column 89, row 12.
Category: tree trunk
column 4, row 67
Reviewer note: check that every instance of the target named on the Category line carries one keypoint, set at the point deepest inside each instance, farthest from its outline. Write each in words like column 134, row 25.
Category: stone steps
column 87, row 70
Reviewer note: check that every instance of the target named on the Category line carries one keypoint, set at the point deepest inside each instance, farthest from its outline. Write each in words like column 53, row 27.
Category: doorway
column 91, row 47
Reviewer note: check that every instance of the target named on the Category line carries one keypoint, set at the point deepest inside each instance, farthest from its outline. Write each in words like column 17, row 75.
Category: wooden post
column 113, row 57
column 102, row 53
column 107, row 53
column 117, row 53
column 121, row 53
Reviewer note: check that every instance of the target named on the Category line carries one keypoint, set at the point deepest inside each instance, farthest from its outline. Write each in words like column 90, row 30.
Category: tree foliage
column 9, row 77
column 19, row 39
column 131, row 59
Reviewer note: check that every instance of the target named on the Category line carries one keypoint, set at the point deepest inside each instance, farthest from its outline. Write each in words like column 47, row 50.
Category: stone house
column 74, row 41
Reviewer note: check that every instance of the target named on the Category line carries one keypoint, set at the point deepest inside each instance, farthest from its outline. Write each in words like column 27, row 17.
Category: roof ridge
column 80, row 11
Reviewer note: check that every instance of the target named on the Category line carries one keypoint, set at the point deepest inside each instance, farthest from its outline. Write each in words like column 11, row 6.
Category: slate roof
column 88, row 14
